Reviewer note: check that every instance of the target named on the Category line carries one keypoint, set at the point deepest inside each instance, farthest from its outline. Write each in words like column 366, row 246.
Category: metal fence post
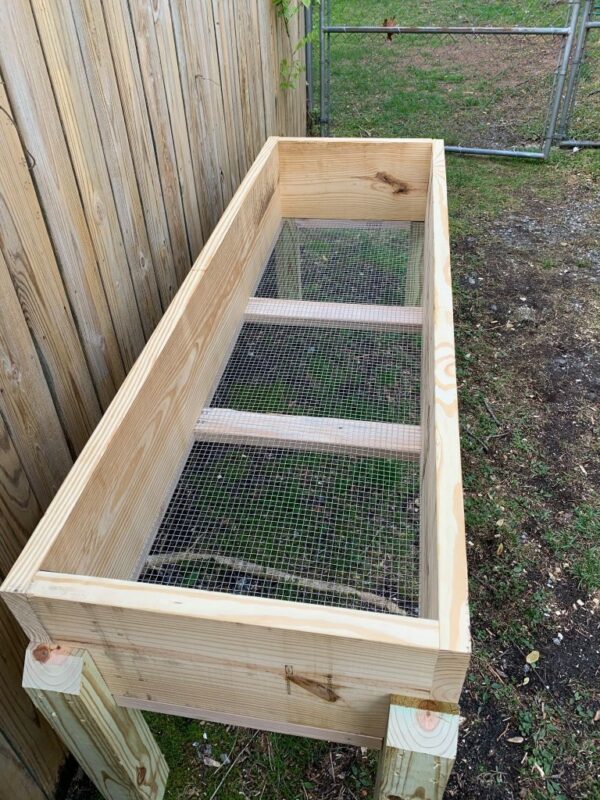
column 569, row 100
column 323, row 109
column 559, row 83
column 308, row 56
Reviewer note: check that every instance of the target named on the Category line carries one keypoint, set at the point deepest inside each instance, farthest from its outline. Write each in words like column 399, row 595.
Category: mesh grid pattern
column 313, row 527
column 360, row 262
column 313, row 523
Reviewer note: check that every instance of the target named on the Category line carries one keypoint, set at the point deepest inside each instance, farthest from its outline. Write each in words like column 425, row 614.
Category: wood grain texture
column 310, row 732
column 316, row 434
column 250, row 656
column 67, row 72
column 114, row 745
column 356, row 316
column 28, row 255
column 20, row 510
column 139, row 131
column 97, row 59
column 23, row 730
column 17, row 781
column 355, row 179
column 158, row 112
column 170, row 381
column 196, row 214
column 418, row 750
column 25, row 401
column 445, row 519
column 196, row 43
column 37, row 116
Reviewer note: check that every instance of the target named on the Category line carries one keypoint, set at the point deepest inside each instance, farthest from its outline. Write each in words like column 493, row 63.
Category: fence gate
column 491, row 87
column 580, row 117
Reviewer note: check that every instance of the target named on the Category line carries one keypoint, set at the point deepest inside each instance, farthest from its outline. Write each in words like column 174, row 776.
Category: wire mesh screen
column 308, row 520
column 471, row 90
column 346, row 262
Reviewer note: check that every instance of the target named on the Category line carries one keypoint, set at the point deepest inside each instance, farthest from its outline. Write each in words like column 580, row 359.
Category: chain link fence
column 484, row 76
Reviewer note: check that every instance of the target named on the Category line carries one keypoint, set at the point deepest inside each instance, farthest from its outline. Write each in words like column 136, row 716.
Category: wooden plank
column 101, row 79
column 355, row 178
column 196, row 214
column 17, row 781
column 269, row 65
column 292, row 663
column 356, row 437
column 444, row 521
column 170, row 381
column 419, row 750
column 307, row 731
column 67, row 73
column 28, row 255
column 229, row 78
column 357, row 316
column 158, row 112
column 20, row 510
column 26, row 403
column 114, row 745
column 27, row 733
column 199, row 68
column 34, row 109
column 135, row 112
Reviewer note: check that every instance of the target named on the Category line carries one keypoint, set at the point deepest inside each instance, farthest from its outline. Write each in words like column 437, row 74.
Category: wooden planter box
column 307, row 668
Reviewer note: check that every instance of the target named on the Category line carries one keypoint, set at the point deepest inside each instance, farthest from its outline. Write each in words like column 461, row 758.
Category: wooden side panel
column 37, row 117
column 283, row 662
column 355, row 179
column 444, row 585
column 151, row 421
column 28, row 255
column 24, row 735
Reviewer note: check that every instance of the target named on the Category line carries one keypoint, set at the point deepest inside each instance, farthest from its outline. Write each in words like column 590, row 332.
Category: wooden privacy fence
column 125, row 128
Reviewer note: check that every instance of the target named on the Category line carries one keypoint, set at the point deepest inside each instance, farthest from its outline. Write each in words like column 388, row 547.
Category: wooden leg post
column 113, row 745
column 418, row 751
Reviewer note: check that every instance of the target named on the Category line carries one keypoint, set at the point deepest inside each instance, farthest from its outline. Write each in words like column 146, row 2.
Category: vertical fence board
column 19, row 507
column 194, row 207
column 63, row 56
column 102, row 86
column 26, row 402
column 203, row 99
column 35, row 112
column 139, row 130
column 30, row 260
column 158, row 111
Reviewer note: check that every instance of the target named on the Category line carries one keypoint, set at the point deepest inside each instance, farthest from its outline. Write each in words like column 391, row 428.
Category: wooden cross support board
column 105, row 645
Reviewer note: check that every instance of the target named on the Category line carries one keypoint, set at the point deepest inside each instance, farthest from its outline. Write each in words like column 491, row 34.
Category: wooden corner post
column 113, row 745
column 418, row 750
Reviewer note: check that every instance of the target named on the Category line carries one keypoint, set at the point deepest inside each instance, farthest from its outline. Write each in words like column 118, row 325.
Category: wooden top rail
column 356, row 316
column 309, row 433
